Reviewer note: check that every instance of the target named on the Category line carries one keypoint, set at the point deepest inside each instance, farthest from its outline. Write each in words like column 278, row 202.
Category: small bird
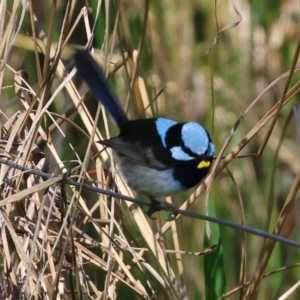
column 156, row 156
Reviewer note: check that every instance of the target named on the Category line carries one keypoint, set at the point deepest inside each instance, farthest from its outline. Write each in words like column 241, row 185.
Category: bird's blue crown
column 193, row 135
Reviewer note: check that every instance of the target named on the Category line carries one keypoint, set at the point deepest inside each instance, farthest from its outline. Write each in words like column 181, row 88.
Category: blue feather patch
column 179, row 154
column 211, row 149
column 195, row 137
column 162, row 126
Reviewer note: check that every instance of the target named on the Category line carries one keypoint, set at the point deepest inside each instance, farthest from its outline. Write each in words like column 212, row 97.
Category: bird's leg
column 154, row 207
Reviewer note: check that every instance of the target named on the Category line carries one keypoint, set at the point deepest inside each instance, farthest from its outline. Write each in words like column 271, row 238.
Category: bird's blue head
column 186, row 141
column 196, row 138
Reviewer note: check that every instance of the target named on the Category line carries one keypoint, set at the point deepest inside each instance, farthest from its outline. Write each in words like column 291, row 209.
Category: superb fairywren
column 156, row 156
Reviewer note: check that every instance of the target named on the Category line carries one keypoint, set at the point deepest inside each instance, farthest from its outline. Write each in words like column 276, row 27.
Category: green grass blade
column 214, row 271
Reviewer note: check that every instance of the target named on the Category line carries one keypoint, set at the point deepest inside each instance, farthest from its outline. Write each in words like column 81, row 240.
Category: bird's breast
column 149, row 181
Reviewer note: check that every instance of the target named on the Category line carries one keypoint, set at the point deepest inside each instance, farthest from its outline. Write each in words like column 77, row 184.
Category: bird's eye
column 203, row 164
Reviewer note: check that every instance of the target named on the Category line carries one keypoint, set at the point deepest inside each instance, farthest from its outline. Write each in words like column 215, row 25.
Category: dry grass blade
column 288, row 207
column 22, row 194
column 235, row 290
column 234, row 24
column 289, row 204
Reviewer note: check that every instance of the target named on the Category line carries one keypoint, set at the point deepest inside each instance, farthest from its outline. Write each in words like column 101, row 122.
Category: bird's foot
column 154, row 207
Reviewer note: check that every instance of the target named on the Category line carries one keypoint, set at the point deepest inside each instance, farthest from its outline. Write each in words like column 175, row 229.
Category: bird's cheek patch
column 203, row 164
column 179, row 154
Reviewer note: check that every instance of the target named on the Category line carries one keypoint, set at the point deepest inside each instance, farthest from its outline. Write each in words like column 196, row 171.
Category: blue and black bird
column 157, row 156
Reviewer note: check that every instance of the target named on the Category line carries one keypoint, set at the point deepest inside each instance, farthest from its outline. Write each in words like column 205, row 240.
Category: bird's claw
column 154, row 207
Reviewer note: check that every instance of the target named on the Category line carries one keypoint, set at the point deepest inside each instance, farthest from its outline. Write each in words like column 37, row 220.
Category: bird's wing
column 134, row 153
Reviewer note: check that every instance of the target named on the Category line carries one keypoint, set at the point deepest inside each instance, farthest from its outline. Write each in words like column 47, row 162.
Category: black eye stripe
column 173, row 139
column 188, row 150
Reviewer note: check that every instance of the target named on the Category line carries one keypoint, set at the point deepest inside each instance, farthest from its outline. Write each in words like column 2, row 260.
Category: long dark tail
column 94, row 77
